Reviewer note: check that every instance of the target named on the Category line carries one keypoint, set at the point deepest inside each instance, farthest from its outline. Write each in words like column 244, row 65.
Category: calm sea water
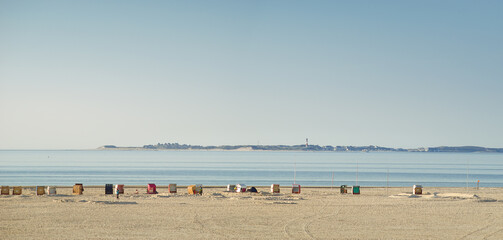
column 252, row 168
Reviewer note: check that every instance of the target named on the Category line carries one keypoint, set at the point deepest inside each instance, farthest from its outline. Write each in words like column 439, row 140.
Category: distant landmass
column 371, row 148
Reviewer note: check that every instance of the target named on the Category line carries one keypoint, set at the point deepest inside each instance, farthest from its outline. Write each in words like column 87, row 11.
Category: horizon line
column 102, row 146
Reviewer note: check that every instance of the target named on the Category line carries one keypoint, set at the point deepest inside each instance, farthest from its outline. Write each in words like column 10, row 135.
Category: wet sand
column 316, row 213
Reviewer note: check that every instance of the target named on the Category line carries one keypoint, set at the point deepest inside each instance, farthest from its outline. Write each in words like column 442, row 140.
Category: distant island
column 306, row 147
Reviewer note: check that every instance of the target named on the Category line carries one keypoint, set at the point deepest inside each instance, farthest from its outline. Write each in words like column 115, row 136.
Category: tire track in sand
column 299, row 227
column 320, row 216
column 492, row 234
column 486, row 231
column 307, row 225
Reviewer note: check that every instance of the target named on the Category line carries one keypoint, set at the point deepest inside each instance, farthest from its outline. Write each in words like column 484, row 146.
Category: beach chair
column 172, row 188
column 40, row 190
column 78, row 189
column 17, row 191
column 296, row 188
column 356, row 189
column 151, row 188
column 120, row 187
column 51, row 190
column 191, row 189
column 344, row 189
column 5, row 190
column 109, row 189
column 275, row 188
column 195, row 189
column 417, row 190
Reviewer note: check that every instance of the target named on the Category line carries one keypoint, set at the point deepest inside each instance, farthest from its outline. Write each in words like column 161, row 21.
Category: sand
column 316, row 213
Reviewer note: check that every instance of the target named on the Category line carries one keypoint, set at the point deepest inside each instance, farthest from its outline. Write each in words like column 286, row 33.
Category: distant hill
column 328, row 148
column 465, row 149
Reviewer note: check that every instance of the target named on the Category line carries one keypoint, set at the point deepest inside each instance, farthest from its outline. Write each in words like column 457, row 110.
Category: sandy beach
column 316, row 213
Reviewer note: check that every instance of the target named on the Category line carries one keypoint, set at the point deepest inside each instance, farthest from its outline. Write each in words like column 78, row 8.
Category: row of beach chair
column 78, row 189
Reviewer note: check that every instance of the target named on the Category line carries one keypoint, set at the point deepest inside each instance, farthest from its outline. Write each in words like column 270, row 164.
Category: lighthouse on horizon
column 307, row 142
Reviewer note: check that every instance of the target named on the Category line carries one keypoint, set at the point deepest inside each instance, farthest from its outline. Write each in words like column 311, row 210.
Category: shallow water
column 65, row 168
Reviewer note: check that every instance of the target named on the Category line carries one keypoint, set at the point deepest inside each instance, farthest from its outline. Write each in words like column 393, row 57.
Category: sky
column 82, row 74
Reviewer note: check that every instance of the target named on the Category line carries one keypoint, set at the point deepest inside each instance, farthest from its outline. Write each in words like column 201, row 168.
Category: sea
column 253, row 168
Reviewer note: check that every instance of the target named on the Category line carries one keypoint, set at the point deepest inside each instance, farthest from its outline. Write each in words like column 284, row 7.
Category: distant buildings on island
column 303, row 147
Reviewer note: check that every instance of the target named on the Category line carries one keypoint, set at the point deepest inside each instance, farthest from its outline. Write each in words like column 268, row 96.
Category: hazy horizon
column 79, row 75
column 140, row 146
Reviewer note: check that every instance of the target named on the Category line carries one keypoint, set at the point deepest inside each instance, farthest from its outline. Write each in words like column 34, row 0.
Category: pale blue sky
column 81, row 74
